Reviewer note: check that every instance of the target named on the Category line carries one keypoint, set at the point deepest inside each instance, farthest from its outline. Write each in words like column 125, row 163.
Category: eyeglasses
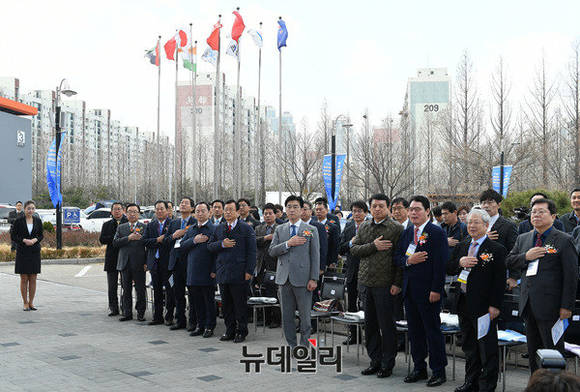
column 539, row 212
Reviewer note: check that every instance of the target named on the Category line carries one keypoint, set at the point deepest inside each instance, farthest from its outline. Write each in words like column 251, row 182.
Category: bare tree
column 325, row 126
column 540, row 116
column 301, row 159
column 572, row 107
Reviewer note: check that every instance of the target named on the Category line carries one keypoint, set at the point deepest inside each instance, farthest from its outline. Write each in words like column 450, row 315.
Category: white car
column 94, row 221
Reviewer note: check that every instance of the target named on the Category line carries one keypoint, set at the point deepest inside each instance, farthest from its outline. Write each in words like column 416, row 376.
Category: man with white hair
column 480, row 264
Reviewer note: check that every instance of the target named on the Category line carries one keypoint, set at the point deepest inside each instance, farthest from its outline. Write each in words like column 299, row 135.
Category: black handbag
column 269, row 277
column 333, row 288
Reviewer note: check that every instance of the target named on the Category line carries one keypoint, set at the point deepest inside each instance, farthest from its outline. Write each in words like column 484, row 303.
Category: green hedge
column 522, row 199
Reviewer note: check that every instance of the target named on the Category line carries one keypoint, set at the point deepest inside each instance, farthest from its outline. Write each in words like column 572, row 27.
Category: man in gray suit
column 132, row 262
column 296, row 246
column 548, row 262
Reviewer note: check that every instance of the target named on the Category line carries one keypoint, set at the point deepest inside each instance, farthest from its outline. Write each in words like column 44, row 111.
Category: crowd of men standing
column 399, row 256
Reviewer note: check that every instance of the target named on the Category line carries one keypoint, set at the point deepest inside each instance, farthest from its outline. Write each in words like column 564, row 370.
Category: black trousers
column 178, row 293
column 128, row 276
column 235, row 307
column 539, row 335
column 160, row 280
column 481, row 356
column 112, row 290
column 202, row 298
column 380, row 329
column 425, row 336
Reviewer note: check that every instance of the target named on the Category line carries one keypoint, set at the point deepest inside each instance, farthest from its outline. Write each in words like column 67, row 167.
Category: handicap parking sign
column 71, row 216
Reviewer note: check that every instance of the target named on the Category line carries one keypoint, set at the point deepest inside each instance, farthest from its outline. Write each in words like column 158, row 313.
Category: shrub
column 522, row 199
column 48, row 227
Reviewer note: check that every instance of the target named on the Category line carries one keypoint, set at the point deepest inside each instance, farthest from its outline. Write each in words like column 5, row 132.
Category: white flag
column 257, row 37
column 233, row 48
column 210, row 55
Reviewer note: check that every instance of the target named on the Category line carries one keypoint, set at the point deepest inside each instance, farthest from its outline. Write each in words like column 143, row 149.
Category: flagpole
column 261, row 153
column 193, row 136
column 237, row 131
column 280, row 126
column 179, row 164
column 157, row 162
column 217, row 141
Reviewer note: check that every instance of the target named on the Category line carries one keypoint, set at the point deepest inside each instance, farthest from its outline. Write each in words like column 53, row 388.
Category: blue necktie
column 160, row 230
column 182, row 223
column 293, row 230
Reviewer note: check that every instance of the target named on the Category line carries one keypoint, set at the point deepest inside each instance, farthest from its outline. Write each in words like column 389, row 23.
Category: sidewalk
column 70, row 344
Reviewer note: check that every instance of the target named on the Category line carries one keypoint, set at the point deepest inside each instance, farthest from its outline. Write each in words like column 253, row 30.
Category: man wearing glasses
column 548, row 261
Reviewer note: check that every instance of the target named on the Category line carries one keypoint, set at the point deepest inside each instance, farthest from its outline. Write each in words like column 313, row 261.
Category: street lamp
column 63, row 88
column 333, row 152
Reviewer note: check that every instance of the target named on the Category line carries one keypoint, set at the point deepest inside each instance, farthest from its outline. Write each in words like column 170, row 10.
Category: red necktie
column 416, row 232
column 229, row 228
column 538, row 240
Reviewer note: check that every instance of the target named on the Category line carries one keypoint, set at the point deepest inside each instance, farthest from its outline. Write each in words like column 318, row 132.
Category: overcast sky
column 353, row 54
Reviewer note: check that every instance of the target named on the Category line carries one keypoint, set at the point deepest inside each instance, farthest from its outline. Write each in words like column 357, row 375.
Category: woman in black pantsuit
column 26, row 232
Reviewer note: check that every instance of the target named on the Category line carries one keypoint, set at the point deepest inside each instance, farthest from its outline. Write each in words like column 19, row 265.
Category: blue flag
column 495, row 178
column 53, row 172
column 327, row 176
column 282, row 34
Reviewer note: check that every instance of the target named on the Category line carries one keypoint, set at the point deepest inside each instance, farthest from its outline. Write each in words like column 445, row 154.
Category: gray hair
column 482, row 214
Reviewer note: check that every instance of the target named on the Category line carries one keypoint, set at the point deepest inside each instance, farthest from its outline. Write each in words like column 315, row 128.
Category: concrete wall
column 15, row 159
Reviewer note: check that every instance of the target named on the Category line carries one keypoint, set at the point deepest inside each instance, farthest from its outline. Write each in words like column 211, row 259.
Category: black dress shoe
column 168, row 322
column 384, row 372
column 32, row 307
column 468, row 387
column 175, row 327
column 197, row 332
column 126, row 318
column 239, row 338
column 226, row 337
column 155, row 322
column 370, row 370
column 435, row 381
column 191, row 328
column 141, row 317
column 208, row 333
column 416, row 375
column 350, row 340
column 114, row 313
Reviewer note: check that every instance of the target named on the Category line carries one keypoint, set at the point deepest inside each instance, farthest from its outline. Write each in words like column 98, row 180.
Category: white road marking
column 83, row 271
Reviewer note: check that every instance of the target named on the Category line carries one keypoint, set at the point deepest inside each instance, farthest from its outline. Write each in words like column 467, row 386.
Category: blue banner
column 495, row 175
column 327, row 176
column 53, row 171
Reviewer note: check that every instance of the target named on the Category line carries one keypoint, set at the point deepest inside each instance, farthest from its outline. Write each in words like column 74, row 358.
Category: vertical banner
column 327, row 176
column 53, row 171
column 495, row 175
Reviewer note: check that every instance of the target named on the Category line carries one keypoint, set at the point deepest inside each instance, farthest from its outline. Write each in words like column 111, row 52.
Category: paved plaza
column 70, row 344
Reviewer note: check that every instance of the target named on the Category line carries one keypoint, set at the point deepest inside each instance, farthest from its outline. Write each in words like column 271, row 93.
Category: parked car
column 93, row 222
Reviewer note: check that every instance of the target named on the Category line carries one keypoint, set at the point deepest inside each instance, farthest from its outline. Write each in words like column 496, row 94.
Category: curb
column 95, row 260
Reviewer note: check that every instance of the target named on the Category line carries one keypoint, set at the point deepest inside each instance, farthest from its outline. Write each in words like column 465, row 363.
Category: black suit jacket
column 152, row 246
column 486, row 281
column 332, row 229
column 250, row 220
column 569, row 221
column 264, row 261
column 176, row 254
column 554, row 285
column 19, row 231
column 507, row 232
column 131, row 253
column 106, row 238
column 352, row 263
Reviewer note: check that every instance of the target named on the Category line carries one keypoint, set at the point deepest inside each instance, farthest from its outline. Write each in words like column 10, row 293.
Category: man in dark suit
column 158, row 262
column 331, row 217
column 322, row 234
column 234, row 242
column 178, row 264
column 500, row 229
column 423, row 252
column 266, row 263
column 106, row 238
column 548, row 261
column 400, row 211
column 526, row 224
column 217, row 207
column 480, row 264
column 359, row 211
column 244, row 213
column 13, row 215
column 332, row 227
column 131, row 262
column 572, row 219
column 455, row 229
column 201, row 271
column 280, row 217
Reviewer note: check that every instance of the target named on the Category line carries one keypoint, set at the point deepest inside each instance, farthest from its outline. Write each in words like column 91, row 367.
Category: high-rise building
column 426, row 105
